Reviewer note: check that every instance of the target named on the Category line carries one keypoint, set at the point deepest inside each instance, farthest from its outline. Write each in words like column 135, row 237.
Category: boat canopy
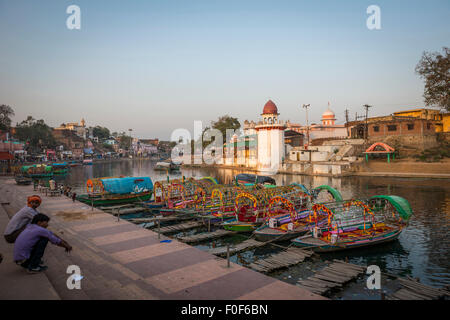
column 336, row 194
column 60, row 164
column 400, row 204
column 305, row 189
column 127, row 185
column 38, row 166
column 213, row 180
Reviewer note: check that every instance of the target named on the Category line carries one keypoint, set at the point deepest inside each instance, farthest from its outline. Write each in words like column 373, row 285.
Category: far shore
column 402, row 168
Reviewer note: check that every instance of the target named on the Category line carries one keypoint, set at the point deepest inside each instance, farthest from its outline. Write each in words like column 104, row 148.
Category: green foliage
column 434, row 68
column 36, row 134
column 224, row 123
column 108, row 147
column 6, row 112
column 101, row 133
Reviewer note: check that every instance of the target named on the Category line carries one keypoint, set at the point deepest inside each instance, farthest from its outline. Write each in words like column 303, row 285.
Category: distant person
column 52, row 184
column 31, row 243
column 74, row 196
column 23, row 217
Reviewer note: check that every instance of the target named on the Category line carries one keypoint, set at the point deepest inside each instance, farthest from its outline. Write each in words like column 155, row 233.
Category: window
column 428, row 126
column 410, row 126
column 392, row 127
column 376, row 128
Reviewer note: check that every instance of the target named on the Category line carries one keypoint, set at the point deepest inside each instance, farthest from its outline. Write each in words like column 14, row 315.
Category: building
column 262, row 145
column 70, row 140
column 78, row 128
column 401, row 130
column 327, row 129
column 441, row 120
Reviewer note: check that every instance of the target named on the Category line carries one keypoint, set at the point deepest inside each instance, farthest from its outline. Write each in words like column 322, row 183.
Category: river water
column 422, row 250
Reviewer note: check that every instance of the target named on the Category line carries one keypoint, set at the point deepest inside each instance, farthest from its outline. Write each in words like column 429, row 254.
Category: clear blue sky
column 155, row 66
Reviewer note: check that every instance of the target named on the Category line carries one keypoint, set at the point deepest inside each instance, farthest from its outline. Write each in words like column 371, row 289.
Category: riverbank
column 405, row 168
column 121, row 260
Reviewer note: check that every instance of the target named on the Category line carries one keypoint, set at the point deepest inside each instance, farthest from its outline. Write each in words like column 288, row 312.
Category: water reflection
column 422, row 250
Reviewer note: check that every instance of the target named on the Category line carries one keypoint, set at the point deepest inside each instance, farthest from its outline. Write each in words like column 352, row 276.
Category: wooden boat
column 166, row 166
column 60, row 168
column 357, row 224
column 248, row 178
column 87, row 162
column 36, row 171
column 23, row 180
column 111, row 191
column 289, row 217
column 350, row 240
column 74, row 163
column 251, row 207
column 240, row 226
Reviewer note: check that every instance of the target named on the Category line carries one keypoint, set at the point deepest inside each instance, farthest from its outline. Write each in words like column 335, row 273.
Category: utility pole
column 346, row 120
column 366, row 129
column 306, row 106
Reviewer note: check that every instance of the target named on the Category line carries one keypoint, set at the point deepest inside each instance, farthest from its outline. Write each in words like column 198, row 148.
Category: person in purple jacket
column 30, row 245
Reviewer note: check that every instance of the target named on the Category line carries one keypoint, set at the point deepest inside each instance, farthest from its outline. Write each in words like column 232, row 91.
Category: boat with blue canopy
column 117, row 190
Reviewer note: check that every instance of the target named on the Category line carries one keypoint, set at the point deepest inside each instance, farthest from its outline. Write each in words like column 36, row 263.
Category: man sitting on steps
column 22, row 218
column 31, row 243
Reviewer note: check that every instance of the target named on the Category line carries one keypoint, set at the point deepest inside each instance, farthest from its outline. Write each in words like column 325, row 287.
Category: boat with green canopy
column 356, row 223
column 37, row 171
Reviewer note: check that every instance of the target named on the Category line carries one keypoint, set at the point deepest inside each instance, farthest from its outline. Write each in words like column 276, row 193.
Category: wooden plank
column 349, row 265
column 422, row 287
column 404, row 294
column 424, row 291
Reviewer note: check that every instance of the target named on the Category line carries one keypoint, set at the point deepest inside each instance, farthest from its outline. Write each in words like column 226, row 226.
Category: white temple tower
column 270, row 133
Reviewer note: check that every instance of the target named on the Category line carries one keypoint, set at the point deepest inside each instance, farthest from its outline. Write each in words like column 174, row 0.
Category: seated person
column 23, row 217
column 31, row 243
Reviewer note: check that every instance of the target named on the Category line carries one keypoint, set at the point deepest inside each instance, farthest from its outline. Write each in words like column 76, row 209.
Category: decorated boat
column 36, row 171
column 356, row 223
column 290, row 215
column 110, row 191
column 251, row 207
column 60, row 168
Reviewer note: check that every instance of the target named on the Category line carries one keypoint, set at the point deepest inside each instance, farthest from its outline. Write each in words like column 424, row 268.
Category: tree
column 224, row 123
column 6, row 112
column 101, row 133
column 36, row 134
column 434, row 68
column 125, row 142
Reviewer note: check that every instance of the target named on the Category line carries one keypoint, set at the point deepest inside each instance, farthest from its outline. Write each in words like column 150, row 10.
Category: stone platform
column 120, row 260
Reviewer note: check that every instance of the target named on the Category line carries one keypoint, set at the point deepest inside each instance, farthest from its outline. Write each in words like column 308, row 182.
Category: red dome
column 270, row 108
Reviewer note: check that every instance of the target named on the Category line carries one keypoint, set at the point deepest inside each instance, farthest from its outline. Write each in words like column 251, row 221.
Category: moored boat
column 110, row 191
column 166, row 166
column 36, row 171
column 357, row 224
column 60, row 168
column 23, row 180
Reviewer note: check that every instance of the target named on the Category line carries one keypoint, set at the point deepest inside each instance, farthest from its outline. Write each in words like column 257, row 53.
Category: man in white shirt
column 22, row 218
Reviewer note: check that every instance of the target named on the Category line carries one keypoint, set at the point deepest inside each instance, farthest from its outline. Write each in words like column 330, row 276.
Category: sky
column 156, row 66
